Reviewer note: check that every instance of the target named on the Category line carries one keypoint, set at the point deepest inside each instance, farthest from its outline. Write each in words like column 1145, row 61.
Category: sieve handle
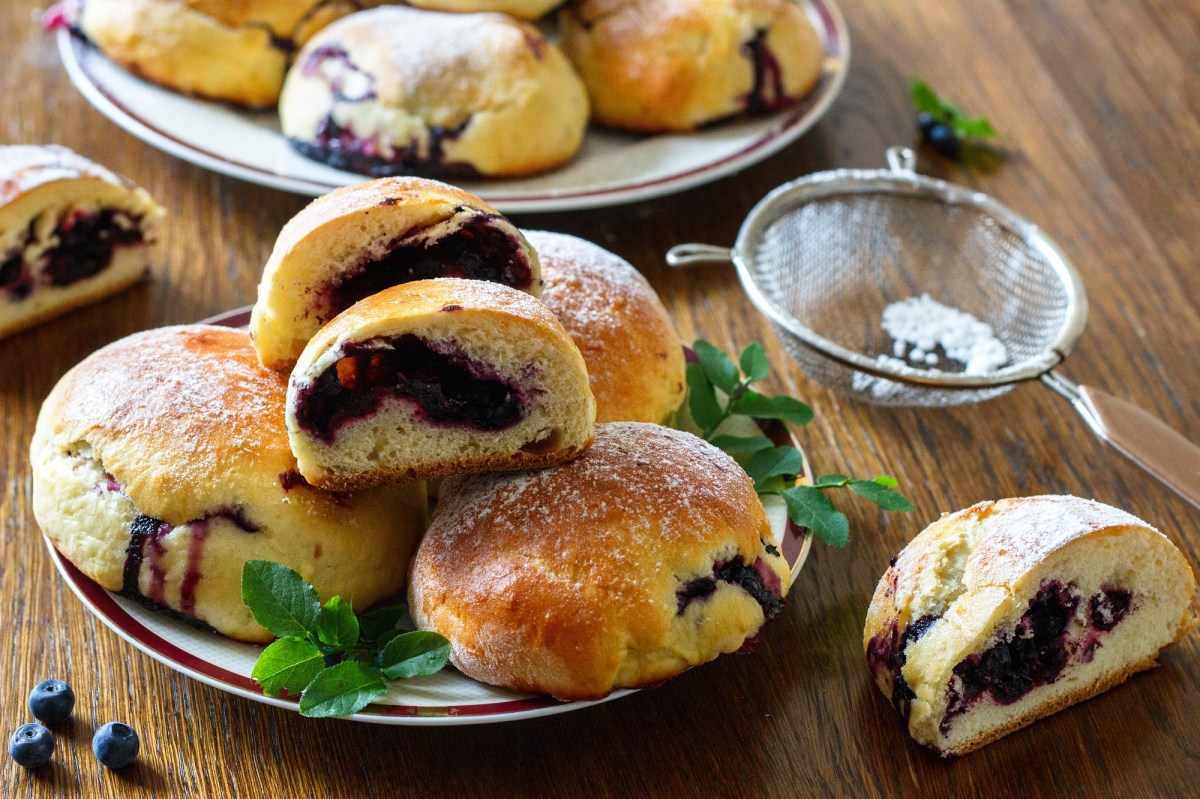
column 691, row 254
column 1138, row 435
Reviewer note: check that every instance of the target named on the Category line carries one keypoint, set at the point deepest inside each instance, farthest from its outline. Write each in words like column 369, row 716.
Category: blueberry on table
column 31, row 746
column 943, row 140
column 925, row 123
column 115, row 745
column 51, row 701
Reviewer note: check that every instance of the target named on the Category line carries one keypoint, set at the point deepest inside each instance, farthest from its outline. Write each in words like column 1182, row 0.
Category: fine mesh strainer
column 824, row 256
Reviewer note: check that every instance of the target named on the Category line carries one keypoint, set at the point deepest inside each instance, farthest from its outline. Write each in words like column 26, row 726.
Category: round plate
column 445, row 698
column 611, row 168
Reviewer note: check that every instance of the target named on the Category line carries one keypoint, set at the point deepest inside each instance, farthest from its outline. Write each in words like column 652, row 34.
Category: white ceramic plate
column 612, row 168
column 445, row 698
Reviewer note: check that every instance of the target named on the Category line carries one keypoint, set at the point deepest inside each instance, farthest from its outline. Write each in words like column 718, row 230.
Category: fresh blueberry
column 943, row 140
column 115, row 745
column 51, row 701
column 925, row 123
column 31, row 746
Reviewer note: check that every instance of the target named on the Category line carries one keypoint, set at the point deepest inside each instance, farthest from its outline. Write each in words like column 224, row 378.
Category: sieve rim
column 900, row 179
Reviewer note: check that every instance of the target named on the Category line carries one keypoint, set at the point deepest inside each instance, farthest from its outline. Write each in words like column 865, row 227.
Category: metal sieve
column 824, row 256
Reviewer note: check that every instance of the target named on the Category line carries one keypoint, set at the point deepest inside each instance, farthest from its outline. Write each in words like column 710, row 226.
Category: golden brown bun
column 182, row 426
column 673, row 66
column 350, row 429
column 43, row 191
column 525, row 9
column 1073, row 595
column 352, row 230
column 234, row 50
column 600, row 573
column 634, row 356
column 399, row 90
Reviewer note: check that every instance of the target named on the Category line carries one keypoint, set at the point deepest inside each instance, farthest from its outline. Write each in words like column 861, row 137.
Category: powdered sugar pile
column 919, row 325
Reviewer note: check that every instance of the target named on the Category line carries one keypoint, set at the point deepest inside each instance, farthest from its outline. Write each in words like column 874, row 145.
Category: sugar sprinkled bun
column 634, row 356
column 234, row 50
column 654, row 66
column 399, row 90
column 648, row 554
column 161, row 464
column 433, row 378
column 361, row 239
column 1003, row 613
column 71, row 232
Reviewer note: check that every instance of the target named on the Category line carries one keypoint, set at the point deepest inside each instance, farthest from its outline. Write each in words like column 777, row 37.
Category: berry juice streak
column 191, row 572
column 767, row 95
column 144, row 531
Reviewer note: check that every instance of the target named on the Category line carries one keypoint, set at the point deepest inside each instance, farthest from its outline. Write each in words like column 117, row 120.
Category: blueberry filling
column 757, row 580
column 1038, row 650
column 16, row 279
column 478, row 250
column 887, row 655
column 340, row 147
column 86, row 242
column 338, row 83
column 767, row 94
column 447, row 388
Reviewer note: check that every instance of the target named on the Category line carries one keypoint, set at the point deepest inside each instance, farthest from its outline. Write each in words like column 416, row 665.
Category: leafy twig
column 719, row 390
column 336, row 661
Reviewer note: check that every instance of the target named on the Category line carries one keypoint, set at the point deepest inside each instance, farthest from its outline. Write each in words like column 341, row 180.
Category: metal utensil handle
column 1138, row 435
column 691, row 254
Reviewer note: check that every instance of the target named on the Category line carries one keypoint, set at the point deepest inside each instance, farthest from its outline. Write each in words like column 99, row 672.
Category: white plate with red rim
column 445, row 698
column 612, row 168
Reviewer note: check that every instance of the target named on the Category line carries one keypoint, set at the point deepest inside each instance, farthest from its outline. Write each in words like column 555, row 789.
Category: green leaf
column 280, row 599
column 376, row 622
column 884, row 497
column 978, row 128
column 337, row 626
column 809, row 507
column 741, row 446
column 927, row 100
column 288, row 664
column 414, row 654
column 341, row 690
column 831, row 481
column 774, row 462
column 753, row 362
column 717, row 367
column 702, row 400
column 887, row 481
column 761, row 406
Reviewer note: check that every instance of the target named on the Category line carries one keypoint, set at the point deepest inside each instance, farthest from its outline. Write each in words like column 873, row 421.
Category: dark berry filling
column 292, row 479
column 86, row 242
column 337, row 83
column 767, row 95
column 447, row 388
column 478, row 250
column 886, row 655
column 342, row 148
column 1107, row 608
column 757, row 580
column 16, row 279
column 1038, row 650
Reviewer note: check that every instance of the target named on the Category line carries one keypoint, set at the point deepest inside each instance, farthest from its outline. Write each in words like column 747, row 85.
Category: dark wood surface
column 1100, row 106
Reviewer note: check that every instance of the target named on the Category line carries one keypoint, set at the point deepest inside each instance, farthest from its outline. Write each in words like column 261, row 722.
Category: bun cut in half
column 1009, row 611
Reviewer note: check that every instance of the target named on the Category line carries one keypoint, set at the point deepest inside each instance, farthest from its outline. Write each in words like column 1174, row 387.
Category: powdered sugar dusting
column 919, row 326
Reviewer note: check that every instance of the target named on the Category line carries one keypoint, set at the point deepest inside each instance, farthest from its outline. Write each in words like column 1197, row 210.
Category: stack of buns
column 467, row 88
column 563, row 557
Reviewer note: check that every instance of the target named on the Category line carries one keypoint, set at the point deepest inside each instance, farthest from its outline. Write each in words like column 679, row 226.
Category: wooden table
column 1099, row 106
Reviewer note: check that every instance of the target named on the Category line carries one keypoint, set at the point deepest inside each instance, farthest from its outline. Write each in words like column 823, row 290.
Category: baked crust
column 349, row 227
column 964, row 582
column 399, row 90
column 182, row 426
column 568, row 580
column 488, row 325
column 232, row 50
column 634, row 356
column 525, row 9
column 652, row 66
column 42, row 189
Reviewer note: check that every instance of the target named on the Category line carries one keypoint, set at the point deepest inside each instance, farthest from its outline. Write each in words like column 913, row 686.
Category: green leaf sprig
column 336, row 661
column 719, row 391
column 942, row 110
